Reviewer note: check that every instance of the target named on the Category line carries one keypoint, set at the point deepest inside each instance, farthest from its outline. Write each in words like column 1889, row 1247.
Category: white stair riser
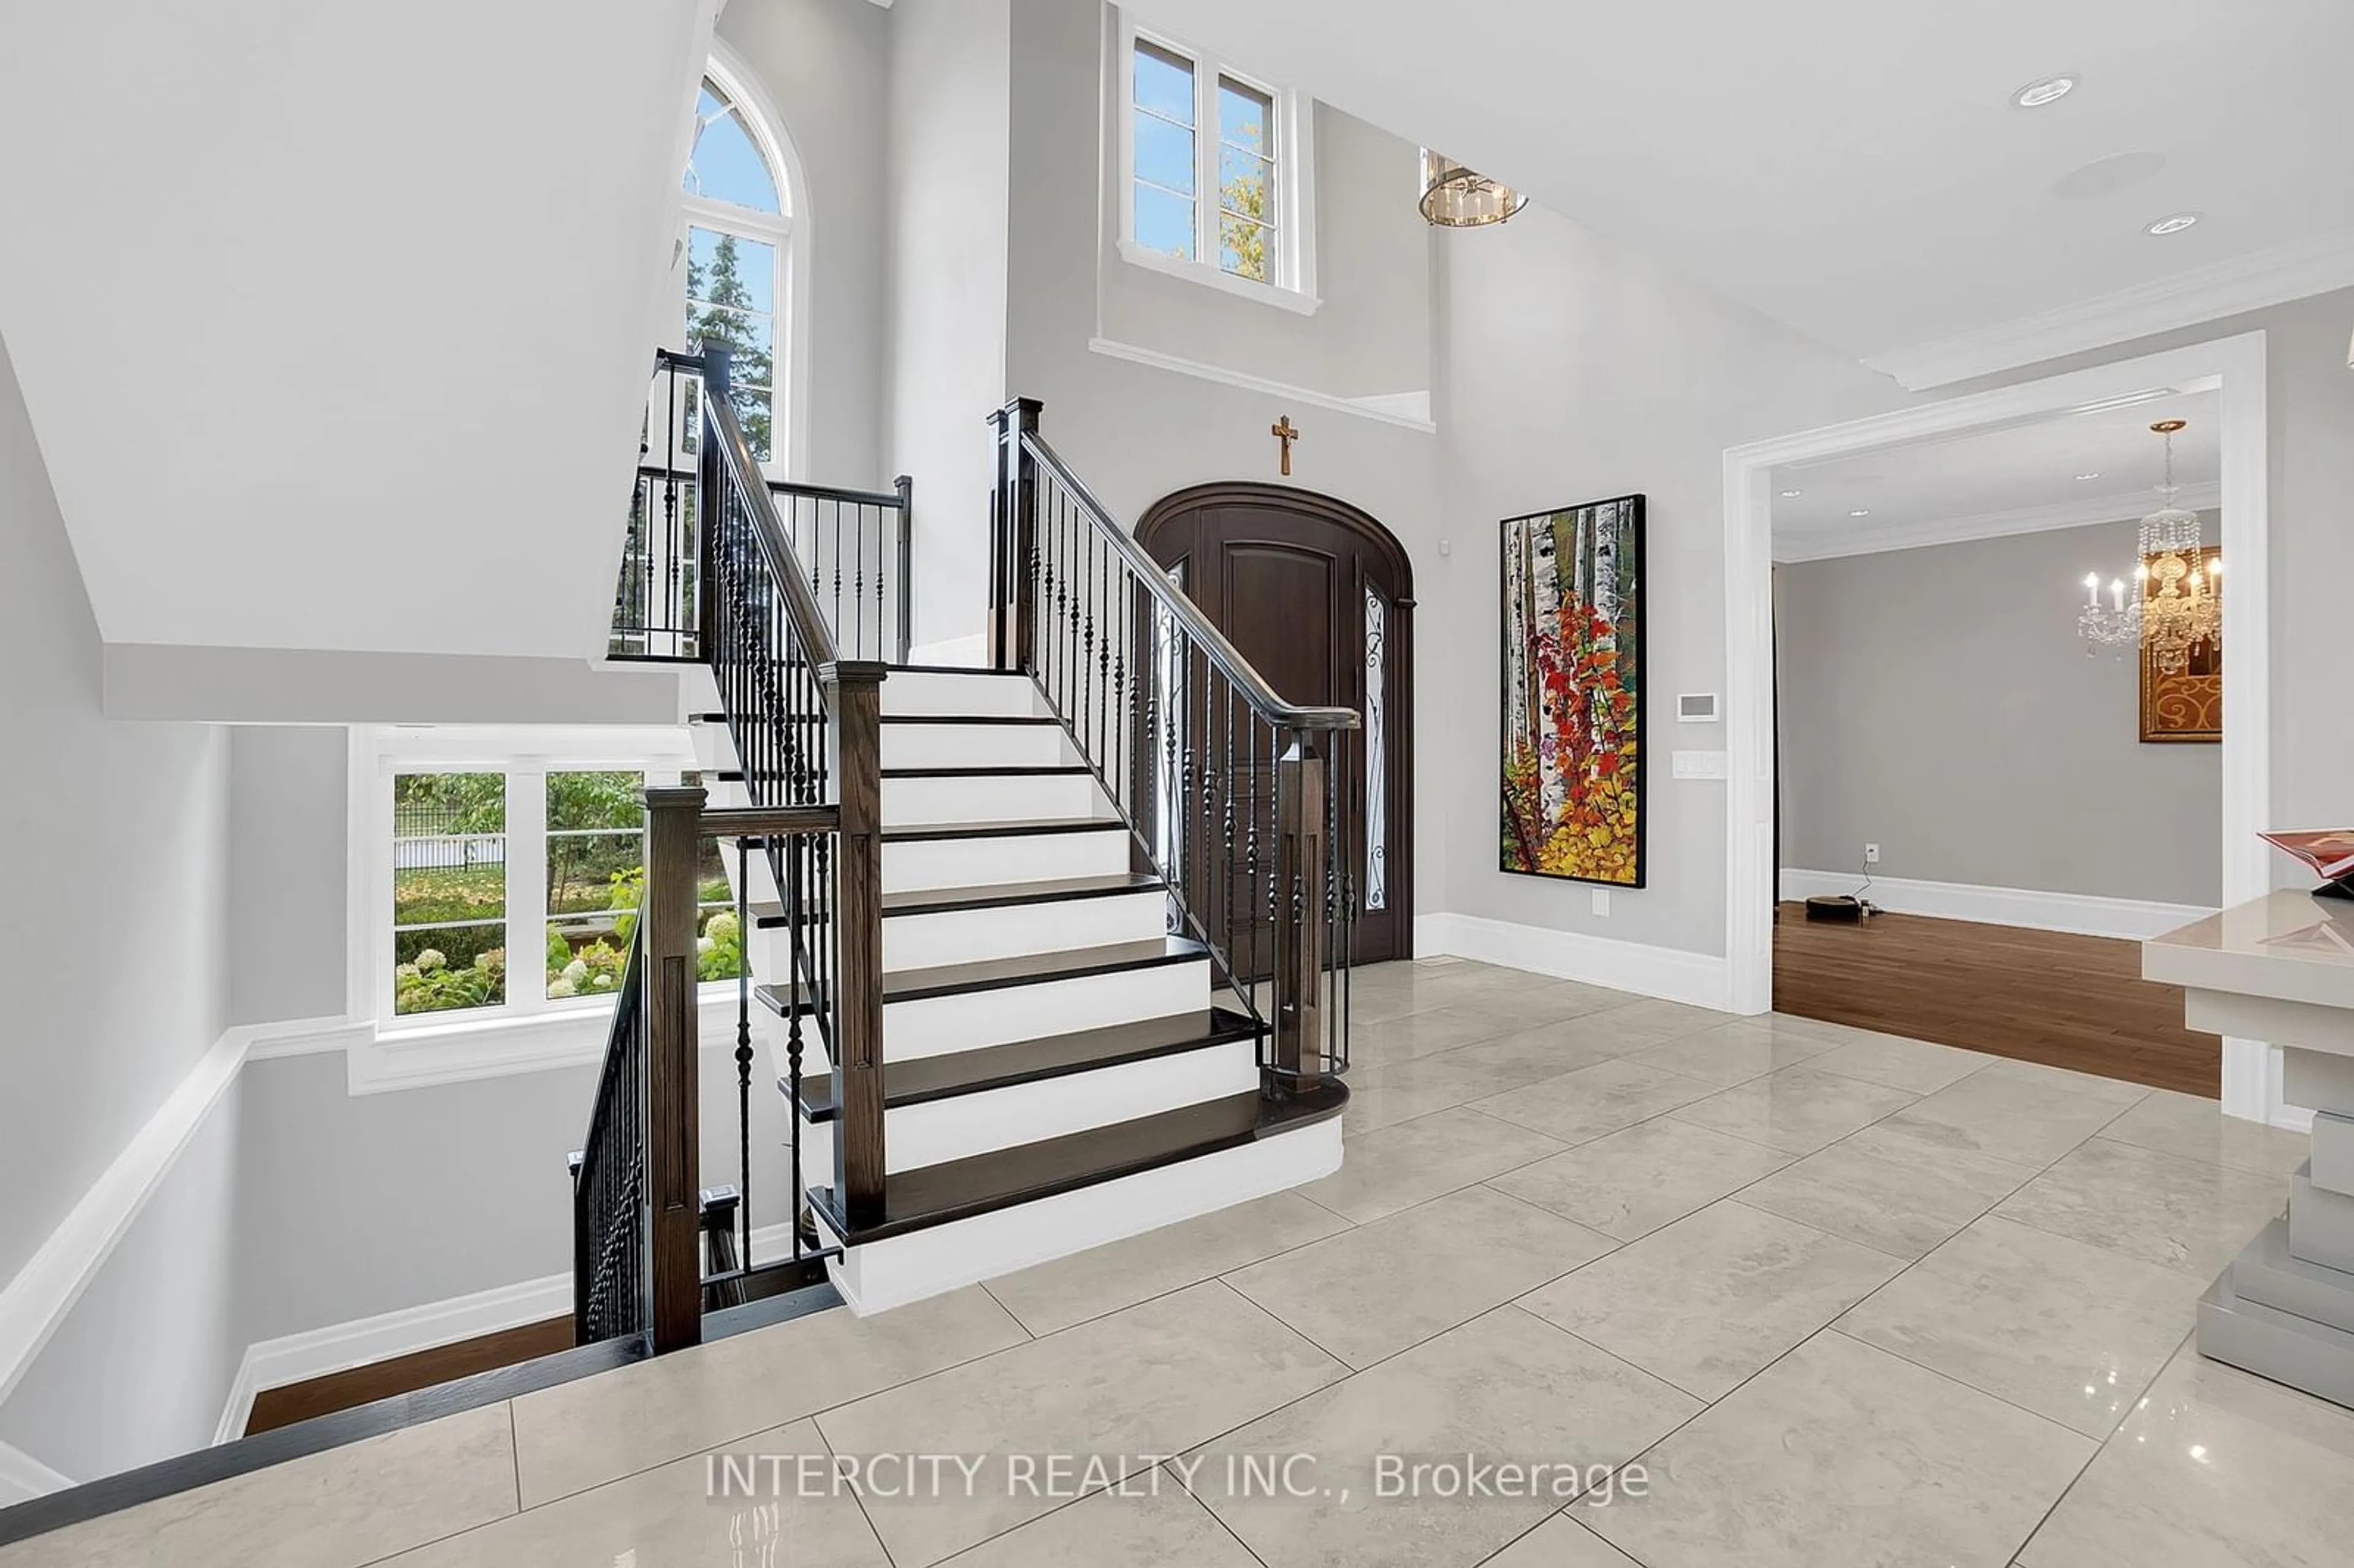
column 976, row 746
column 923, row 746
column 971, row 936
column 975, row 1124
column 715, row 748
column 934, row 1026
column 912, row 865
column 887, row 1274
column 918, row 693
column 1002, row 797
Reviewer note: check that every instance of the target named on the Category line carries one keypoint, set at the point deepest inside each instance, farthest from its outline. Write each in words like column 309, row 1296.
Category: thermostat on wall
column 1696, row 707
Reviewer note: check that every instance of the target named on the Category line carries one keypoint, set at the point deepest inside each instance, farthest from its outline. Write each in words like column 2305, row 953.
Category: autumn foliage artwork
column 1573, row 720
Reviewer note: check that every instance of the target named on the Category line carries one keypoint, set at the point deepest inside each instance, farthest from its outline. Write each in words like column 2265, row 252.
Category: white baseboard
column 339, row 1347
column 1669, row 973
column 2082, row 914
column 958, row 653
column 23, row 1477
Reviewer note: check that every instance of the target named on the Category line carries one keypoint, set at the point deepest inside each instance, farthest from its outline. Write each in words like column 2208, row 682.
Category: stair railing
column 608, row 1178
column 806, row 725
column 856, row 547
column 1241, row 802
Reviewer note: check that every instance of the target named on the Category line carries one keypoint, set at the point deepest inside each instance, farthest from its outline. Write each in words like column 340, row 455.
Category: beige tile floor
column 1775, row 1292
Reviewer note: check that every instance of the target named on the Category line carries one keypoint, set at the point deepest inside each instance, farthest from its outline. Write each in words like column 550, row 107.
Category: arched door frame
column 1399, row 659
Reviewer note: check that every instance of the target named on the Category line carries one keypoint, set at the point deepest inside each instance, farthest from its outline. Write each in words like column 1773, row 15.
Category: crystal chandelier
column 2177, row 596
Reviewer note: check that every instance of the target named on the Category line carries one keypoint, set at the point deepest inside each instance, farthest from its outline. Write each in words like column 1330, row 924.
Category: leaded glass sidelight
column 1377, row 749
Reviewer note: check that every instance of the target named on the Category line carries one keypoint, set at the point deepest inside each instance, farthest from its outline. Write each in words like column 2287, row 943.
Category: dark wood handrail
column 1245, row 803
column 778, row 822
column 1255, row 689
column 809, row 624
column 888, row 499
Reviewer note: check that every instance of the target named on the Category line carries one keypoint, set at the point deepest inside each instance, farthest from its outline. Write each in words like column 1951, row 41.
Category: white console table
column 2281, row 969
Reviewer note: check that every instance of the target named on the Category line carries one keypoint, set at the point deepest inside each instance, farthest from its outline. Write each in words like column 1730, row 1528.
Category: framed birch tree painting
column 1573, row 694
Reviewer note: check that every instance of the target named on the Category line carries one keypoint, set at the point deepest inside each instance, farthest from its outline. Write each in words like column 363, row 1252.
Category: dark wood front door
column 1320, row 598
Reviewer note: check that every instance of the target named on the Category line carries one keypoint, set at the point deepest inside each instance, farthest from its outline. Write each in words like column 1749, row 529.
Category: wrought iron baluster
column 744, row 1044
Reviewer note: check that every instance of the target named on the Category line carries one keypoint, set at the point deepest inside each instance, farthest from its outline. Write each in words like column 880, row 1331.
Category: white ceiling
column 334, row 322
column 2015, row 479
column 1856, row 168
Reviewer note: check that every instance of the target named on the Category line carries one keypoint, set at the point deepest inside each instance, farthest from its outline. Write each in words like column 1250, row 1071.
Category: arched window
column 739, row 237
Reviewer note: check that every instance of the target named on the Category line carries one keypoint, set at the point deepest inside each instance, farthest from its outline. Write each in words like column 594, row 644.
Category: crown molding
column 2273, row 277
column 2083, row 512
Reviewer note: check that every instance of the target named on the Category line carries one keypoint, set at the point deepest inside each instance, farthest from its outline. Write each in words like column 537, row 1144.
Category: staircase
column 1057, row 1070
column 1040, row 955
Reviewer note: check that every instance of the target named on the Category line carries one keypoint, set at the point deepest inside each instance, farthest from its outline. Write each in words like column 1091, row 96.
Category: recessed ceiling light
column 2174, row 224
column 1788, row 493
column 2094, row 474
column 1860, row 512
column 2046, row 89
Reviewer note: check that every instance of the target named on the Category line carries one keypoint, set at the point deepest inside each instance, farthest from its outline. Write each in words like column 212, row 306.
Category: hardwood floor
column 2039, row 996
column 276, row 1407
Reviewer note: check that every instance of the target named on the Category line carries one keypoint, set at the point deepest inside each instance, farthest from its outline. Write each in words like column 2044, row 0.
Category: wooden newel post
column 857, row 736
column 1300, row 917
column 1013, row 521
column 672, row 1130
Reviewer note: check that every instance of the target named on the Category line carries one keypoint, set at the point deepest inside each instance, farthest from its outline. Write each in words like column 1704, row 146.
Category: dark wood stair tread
column 922, row 1079
column 970, row 718
column 1026, row 969
column 983, row 1183
column 1019, row 827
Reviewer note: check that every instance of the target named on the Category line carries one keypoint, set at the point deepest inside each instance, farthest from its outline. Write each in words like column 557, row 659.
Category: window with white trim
column 507, row 870
column 1214, row 170
column 738, row 239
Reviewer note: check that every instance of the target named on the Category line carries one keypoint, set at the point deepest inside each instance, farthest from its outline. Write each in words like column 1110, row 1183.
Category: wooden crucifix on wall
column 1284, row 430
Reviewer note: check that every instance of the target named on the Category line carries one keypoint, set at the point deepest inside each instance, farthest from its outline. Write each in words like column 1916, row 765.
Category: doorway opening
column 2018, row 787
column 2231, row 371
column 1318, row 595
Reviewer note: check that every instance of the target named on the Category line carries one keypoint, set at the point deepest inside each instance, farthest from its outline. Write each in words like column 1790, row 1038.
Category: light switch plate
column 1698, row 763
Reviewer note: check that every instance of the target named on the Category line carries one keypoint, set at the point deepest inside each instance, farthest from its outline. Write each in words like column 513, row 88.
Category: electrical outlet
column 1602, row 901
column 1872, row 854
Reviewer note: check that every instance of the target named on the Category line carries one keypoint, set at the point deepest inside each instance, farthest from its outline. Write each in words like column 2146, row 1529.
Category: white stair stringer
column 899, row 1270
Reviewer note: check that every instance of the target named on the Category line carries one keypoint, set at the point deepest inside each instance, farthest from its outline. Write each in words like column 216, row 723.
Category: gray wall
column 825, row 65
column 140, row 1369
column 2310, row 410
column 945, row 341
column 116, row 921
column 1371, row 337
column 1938, row 702
column 1572, row 368
column 357, row 1204
column 115, row 928
column 1135, row 432
column 289, row 817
